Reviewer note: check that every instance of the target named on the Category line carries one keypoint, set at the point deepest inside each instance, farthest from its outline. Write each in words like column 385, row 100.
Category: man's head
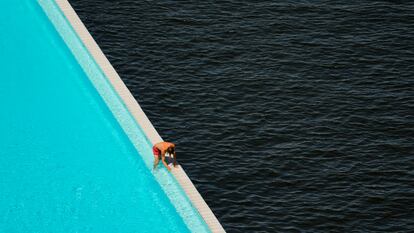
column 171, row 151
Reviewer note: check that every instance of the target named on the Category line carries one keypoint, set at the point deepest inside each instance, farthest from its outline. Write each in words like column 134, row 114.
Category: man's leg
column 156, row 153
column 156, row 161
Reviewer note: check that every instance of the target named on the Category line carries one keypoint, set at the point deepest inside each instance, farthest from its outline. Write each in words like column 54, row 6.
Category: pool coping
column 136, row 111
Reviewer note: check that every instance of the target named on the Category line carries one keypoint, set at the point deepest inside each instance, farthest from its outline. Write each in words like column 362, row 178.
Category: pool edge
column 136, row 111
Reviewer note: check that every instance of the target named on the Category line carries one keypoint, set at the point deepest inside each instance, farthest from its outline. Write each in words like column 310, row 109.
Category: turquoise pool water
column 67, row 164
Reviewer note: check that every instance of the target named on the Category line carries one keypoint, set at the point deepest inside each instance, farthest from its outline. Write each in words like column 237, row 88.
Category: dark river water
column 290, row 116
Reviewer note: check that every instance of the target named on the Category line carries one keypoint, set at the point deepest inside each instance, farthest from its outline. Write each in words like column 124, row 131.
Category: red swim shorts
column 156, row 151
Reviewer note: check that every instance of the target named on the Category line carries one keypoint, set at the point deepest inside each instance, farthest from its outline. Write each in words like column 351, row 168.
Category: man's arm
column 175, row 159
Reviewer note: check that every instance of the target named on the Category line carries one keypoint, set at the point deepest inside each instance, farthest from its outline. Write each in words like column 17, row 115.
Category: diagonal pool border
column 136, row 111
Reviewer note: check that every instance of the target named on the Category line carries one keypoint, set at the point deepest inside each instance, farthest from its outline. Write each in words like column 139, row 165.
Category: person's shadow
column 169, row 159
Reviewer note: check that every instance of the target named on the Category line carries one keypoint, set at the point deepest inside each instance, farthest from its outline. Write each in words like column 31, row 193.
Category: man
column 160, row 149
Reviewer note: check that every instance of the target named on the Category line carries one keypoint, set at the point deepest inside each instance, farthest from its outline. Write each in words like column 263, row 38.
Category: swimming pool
column 72, row 159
